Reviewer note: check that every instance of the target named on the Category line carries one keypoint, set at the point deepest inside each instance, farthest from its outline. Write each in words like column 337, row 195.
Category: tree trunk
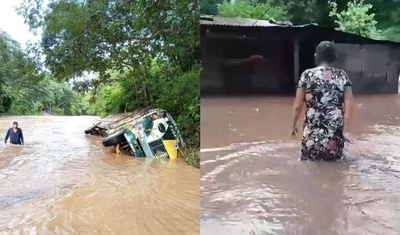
column 136, row 93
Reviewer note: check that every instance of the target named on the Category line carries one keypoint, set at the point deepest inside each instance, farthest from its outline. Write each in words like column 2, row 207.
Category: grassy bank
column 191, row 156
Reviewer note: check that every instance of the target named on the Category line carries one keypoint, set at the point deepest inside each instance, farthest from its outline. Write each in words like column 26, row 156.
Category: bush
column 180, row 95
column 355, row 19
column 252, row 9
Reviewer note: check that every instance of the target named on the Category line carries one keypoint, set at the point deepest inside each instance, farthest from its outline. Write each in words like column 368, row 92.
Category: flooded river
column 63, row 182
column 253, row 183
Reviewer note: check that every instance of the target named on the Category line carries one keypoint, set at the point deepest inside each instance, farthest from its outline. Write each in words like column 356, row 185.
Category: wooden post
column 296, row 61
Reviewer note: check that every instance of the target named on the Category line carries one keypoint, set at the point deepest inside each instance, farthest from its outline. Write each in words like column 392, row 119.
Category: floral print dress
column 324, row 118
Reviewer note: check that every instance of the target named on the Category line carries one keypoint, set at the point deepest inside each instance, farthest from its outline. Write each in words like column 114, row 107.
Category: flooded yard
column 252, row 181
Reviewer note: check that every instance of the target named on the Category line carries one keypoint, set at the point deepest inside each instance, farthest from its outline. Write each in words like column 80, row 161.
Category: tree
column 356, row 18
column 302, row 11
column 99, row 35
column 311, row 11
column 119, row 41
column 17, row 72
column 255, row 9
column 209, row 7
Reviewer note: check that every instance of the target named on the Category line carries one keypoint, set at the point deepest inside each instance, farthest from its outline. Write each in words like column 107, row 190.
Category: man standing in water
column 15, row 134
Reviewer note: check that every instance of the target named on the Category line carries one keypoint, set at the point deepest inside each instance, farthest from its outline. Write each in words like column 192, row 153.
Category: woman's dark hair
column 325, row 52
column 15, row 123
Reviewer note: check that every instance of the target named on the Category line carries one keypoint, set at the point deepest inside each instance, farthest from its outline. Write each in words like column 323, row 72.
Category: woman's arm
column 348, row 101
column 299, row 100
column 348, row 108
column 298, row 105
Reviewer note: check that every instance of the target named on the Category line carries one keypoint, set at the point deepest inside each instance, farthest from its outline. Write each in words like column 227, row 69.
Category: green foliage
column 100, row 35
column 25, row 90
column 209, row 7
column 356, row 18
column 302, row 11
column 254, row 9
column 107, row 100
column 392, row 33
column 17, row 73
column 191, row 156
column 180, row 95
column 46, row 96
column 143, row 52
column 323, row 13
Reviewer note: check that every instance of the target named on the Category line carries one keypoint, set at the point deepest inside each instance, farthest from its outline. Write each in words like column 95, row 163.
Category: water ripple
column 262, row 188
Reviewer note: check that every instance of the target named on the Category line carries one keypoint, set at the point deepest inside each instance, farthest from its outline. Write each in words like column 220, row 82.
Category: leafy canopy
column 356, row 18
column 252, row 9
column 97, row 35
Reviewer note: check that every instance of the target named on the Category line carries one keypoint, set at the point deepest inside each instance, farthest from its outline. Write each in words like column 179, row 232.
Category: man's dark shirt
column 15, row 137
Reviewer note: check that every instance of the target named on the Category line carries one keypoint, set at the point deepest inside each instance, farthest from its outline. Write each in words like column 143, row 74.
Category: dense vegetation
column 141, row 53
column 26, row 90
column 377, row 19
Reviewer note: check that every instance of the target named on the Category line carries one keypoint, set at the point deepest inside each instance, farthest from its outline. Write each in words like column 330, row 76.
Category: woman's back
column 326, row 91
column 324, row 88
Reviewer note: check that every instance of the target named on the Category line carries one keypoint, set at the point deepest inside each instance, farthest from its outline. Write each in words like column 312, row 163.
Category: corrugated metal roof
column 243, row 22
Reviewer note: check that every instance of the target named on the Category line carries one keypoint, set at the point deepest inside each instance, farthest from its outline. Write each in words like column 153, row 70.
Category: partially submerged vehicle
column 148, row 133
column 97, row 129
column 114, row 123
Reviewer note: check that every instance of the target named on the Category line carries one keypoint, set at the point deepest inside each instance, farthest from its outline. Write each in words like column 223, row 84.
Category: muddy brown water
column 253, row 183
column 63, row 182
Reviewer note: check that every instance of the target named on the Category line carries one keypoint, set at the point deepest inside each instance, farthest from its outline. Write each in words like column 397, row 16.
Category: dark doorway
column 266, row 69
column 306, row 55
column 285, row 56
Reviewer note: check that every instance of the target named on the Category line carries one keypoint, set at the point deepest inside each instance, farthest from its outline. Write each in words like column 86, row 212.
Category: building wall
column 212, row 60
column 240, row 67
column 373, row 69
column 373, row 66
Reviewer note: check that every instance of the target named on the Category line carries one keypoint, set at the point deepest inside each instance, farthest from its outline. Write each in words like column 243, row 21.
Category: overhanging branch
column 154, row 36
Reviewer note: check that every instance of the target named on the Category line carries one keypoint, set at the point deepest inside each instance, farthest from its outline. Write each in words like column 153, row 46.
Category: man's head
column 15, row 124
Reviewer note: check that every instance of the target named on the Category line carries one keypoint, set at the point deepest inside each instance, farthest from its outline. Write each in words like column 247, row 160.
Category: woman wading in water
column 328, row 96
